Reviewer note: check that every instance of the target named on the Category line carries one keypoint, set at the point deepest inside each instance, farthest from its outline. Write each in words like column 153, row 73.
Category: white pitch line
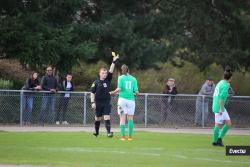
column 218, row 160
column 209, row 159
column 179, row 156
column 95, row 150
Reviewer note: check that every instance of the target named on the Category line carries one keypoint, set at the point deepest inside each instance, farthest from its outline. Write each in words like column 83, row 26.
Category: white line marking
column 95, row 150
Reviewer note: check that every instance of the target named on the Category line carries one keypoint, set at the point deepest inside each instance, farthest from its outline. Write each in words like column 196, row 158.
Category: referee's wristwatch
column 92, row 102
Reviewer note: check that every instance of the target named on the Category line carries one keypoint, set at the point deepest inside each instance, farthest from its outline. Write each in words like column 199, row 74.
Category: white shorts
column 219, row 119
column 126, row 106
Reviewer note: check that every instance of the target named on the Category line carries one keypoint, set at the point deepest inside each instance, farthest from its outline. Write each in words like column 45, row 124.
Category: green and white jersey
column 220, row 93
column 127, row 85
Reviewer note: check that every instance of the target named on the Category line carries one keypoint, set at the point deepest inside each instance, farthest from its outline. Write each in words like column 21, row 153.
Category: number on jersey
column 128, row 85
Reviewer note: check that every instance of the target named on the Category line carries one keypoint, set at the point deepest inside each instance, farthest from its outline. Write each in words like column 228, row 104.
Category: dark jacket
column 30, row 84
column 167, row 90
column 231, row 92
column 48, row 82
column 64, row 85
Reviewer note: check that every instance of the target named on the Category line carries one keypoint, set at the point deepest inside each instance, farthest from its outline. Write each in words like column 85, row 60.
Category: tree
column 144, row 32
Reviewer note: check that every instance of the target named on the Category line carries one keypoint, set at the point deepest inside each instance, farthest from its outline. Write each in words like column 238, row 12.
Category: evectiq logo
column 237, row 150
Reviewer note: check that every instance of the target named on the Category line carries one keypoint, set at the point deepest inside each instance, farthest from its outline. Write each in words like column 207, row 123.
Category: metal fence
column 152, row 110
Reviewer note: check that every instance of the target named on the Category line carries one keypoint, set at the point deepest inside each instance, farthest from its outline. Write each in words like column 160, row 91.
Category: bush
column 5, row 84
column 189, row 78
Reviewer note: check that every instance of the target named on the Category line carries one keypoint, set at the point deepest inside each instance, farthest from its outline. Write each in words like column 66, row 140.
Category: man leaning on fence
column 48, row 83
column 207, row 89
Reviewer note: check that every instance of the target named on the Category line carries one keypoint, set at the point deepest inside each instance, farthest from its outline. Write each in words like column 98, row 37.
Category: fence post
column 21, row 107
column 146, row 111
column 203, row 111
column 85, row 109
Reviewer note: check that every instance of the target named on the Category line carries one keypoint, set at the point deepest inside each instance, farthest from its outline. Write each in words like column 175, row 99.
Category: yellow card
column 113, row 54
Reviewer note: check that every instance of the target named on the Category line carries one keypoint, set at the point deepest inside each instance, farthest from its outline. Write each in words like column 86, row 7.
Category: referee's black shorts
column 102, row 109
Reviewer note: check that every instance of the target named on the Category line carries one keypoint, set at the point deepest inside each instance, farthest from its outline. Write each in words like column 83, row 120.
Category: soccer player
column 221, row 116
column 100, row 98
column 127, row 88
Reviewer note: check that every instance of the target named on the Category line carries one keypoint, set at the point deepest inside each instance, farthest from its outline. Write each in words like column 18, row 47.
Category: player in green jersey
column 220, row 112
column 127, row 88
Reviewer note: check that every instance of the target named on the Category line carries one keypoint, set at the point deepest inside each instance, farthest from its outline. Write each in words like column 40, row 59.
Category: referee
column 100, row 98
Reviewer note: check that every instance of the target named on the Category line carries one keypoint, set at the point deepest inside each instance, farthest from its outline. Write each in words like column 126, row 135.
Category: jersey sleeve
column 224, row 93
column 93, row 87
column 109, row 76
column 119, row 84
column 135, row 86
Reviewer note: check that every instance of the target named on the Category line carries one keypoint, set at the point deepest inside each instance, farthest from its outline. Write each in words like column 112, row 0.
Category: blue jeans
column 48, row 105
column 27, row 107
column 198, row 113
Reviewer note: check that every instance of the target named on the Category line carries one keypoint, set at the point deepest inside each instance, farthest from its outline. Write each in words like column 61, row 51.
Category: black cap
column 210, row 78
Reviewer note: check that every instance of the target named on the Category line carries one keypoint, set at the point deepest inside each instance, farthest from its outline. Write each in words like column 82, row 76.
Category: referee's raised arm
column 112, row 66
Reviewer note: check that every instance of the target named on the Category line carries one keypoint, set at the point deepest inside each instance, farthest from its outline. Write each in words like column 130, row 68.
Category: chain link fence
column 152, row 110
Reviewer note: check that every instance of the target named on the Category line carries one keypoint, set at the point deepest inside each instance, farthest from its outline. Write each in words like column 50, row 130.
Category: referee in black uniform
column 100, row 98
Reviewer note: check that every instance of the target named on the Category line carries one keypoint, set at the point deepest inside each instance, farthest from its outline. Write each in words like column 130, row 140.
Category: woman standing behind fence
column 167, row 101
column 32, row 83
column 67, row 85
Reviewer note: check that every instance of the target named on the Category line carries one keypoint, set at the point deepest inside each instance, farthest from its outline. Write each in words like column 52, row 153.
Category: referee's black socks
column 97, row 127
column 107, row 125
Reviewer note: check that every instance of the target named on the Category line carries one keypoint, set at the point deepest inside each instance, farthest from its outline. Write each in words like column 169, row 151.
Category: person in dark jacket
column 48, row 83
column 32, row 83
column 67, row 85
column 167, row 101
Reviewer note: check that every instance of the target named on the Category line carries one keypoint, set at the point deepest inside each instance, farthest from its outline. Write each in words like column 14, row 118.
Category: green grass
column 147, row 149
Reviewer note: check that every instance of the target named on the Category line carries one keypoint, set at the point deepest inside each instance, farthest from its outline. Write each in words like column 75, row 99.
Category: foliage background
column 185, row 39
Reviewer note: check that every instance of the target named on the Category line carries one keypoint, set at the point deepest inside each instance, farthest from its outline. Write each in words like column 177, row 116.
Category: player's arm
column 92, row 95
column 112, row 66
column 136, row 91
column 119, row 86
column 117, row 90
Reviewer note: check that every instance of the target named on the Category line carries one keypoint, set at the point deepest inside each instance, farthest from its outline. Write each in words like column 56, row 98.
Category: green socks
column 224, row 131
column 122, row 130
column 130, row 127
column 216, row 133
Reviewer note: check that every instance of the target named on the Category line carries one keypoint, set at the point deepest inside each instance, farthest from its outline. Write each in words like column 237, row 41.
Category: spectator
column 48, row 83
column 207, row 89
column 231, row 92
column 32, row 83
column 67, row 85
column 167, row 101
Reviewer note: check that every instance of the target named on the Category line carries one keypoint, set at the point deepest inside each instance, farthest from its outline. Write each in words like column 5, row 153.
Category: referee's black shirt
column 101, row 89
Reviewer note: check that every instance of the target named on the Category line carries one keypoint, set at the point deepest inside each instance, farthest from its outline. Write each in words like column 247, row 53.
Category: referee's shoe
column 110, row 135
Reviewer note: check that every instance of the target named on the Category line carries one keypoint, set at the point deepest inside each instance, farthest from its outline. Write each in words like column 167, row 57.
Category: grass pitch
column 146, row 150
